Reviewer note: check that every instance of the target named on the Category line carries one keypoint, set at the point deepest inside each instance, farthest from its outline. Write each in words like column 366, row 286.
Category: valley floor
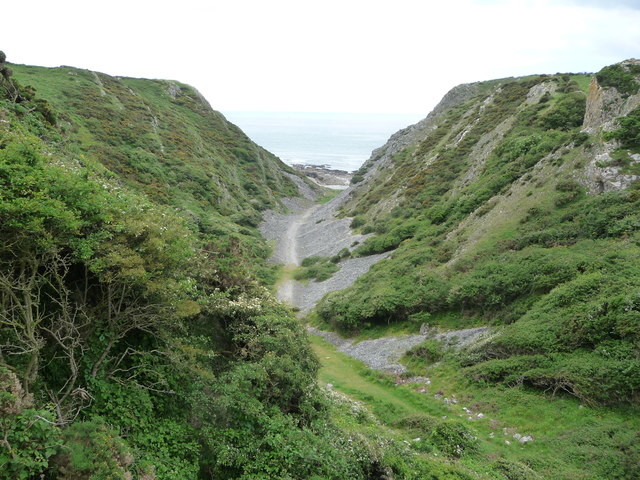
column 313, row 230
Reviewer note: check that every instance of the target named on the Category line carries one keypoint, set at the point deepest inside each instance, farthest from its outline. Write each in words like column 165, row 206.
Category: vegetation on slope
column 509, row 237
column 569, row 440
column 136, row 340
column 133, row 342
column 163, row 139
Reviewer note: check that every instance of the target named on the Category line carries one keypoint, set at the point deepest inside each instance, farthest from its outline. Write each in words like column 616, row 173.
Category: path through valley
column 311, row 229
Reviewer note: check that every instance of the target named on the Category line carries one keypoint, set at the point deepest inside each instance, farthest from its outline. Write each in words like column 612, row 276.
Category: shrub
column 341, row 255
column 454, row 439
column 319, row 268
column 618, row 77
column 358, row 221
column 514, row 470
column 29, row 436
column 430, row 351
column 420, row 423
column 309, row 261
column 357, row 178
column 566, row 114
column 92, row 450
column 629, row 131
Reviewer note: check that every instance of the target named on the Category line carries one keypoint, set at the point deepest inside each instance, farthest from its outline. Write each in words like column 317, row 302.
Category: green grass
column 583, row 81
column 565, row 434
column 176, row 150
column 330, row 194
column 319, row 271
column 352, row 377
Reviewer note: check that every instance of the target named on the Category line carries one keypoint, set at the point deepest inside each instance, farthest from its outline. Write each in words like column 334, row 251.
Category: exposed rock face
column 604, row 106
column 173, row 90
column 594, row 114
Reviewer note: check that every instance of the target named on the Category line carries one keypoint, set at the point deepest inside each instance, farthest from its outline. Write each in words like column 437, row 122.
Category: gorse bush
column 454, row 438
column 629, row 131
column 566, row 114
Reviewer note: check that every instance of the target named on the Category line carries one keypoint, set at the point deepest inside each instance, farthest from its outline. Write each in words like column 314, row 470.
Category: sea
column 340, row 141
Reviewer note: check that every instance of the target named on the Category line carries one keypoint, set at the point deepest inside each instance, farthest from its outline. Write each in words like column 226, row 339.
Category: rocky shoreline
column 325, row 176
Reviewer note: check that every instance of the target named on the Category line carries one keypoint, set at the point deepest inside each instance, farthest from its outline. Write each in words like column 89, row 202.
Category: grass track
column 569, row 444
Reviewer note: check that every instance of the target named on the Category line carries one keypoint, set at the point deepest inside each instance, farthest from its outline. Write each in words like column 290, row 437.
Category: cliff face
column 607, row 103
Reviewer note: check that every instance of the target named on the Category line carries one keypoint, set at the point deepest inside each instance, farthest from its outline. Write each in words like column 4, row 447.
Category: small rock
column 446, row 401
column 517, row 436
column 491, row 435
column 507, row 442
column 416, row 439
column 469, row 418
column 424, row 329
column 526, row 439
column 480, row 415
column 581, row 406
column 329, row 386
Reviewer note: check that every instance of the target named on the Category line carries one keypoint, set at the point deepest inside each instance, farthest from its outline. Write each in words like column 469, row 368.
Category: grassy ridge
column 163, row 138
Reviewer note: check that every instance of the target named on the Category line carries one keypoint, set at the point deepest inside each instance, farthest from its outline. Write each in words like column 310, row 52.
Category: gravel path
column 312, row 230
column 384, row 353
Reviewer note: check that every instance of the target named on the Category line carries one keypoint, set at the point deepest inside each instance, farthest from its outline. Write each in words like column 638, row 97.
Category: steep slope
column 513, row 204
column 163, row 138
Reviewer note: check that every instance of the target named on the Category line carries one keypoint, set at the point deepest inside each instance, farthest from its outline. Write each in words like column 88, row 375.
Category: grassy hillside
column 497, row 215
column 568, row 440
column 163, row 139
column 137, row 339
column 135, row 342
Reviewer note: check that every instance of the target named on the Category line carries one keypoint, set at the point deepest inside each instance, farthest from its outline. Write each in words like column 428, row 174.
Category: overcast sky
column 395, row 56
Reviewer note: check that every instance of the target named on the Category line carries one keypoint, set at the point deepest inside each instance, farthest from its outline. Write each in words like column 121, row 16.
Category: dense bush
column 92, row 450
column 620, row 78
column 317, row 268
column 30, row 436
column 429, row 351
column 629, row 131
column 566, row 114
column 141, row 327
column 454, row 438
